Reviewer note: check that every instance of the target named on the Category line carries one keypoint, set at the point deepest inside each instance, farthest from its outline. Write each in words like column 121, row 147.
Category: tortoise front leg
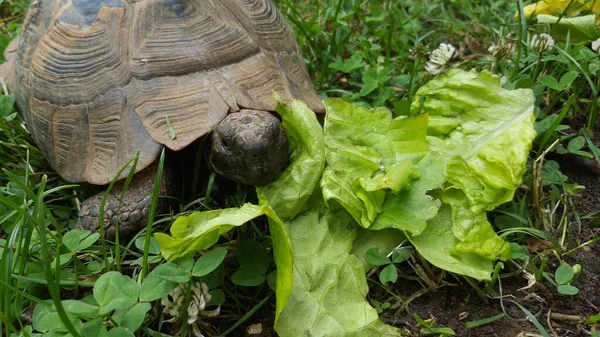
column 135, row 206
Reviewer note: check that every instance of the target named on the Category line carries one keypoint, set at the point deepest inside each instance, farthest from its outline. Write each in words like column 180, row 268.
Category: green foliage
column 593, row 319
column 153, row 251
column 486, row 148
column 575, row 147
column 79, row 240
column 161, row 280
column 368, row 52
column 115, row 300
column 208, row 262
column 563, row 276
column 332, row 305
column 10, row 24
column 437, row 243
column 380, row 307
column 307, row 160
column 201, row 230
column 389, row 273
column 428, row 328
column 119, row 305
column 365, row 146
column 377, row 167
column 370, row 158
column 254, row 262
column 559, row 85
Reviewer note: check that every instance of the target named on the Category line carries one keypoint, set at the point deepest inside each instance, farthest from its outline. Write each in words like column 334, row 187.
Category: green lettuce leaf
column 437, row 245
column 328, row 296
column 410, row 210
column 334, row 304
column 378, row 167
column 201, row 230
column 288, row 193
column 581, row 29
column 485, row 133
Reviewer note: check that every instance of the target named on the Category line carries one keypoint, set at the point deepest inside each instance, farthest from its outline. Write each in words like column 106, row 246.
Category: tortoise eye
column 224, row 143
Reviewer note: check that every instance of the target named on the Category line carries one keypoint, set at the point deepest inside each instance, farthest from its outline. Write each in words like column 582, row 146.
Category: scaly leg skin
column 135, row 206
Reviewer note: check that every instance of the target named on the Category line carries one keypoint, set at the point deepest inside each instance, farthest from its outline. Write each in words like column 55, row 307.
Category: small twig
column 549, row 322
column 396, row 321
column 565, row 317
column 591, row 305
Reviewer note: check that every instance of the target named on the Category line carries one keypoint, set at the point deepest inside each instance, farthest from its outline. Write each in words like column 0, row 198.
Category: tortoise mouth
column 250, row 147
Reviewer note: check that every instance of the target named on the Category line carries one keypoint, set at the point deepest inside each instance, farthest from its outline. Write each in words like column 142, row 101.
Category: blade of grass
column 587, row 243
column 593, row 117
column 209, row 188
column 197, row 167
column 480, row 322
column 532, row 319
column 525, row 230
column 301, row 27
column 246, row 316
column 65, row 283
column 594, row 149
column 332, row 52
column 123, row 190
column 39, row 219
column 15, row 258
column 152, row 213
column 22, row 292
column 5, row 321
column 556, row 123
column 7, row 306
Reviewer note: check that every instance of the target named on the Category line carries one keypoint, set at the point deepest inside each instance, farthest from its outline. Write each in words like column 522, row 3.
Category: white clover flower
column 596, row 46
column 501, row 49
column 195, row 310
column 541, row 43
column 439, row 58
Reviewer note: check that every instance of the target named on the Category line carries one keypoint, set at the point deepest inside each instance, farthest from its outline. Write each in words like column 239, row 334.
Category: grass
column 373, row 53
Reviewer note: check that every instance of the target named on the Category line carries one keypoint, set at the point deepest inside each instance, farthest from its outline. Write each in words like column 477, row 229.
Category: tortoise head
column 249, row 147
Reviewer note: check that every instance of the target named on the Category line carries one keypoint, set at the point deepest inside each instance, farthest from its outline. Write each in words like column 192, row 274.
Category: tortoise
column 99, row 81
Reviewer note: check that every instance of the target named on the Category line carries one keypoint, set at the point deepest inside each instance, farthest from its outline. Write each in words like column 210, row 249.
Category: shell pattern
column 100, row 80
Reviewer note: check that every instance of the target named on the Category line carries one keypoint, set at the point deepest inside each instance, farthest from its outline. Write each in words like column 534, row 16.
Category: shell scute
column 102, row 80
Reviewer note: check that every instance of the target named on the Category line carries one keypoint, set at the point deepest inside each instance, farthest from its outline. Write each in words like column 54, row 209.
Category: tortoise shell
column 101, row 80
